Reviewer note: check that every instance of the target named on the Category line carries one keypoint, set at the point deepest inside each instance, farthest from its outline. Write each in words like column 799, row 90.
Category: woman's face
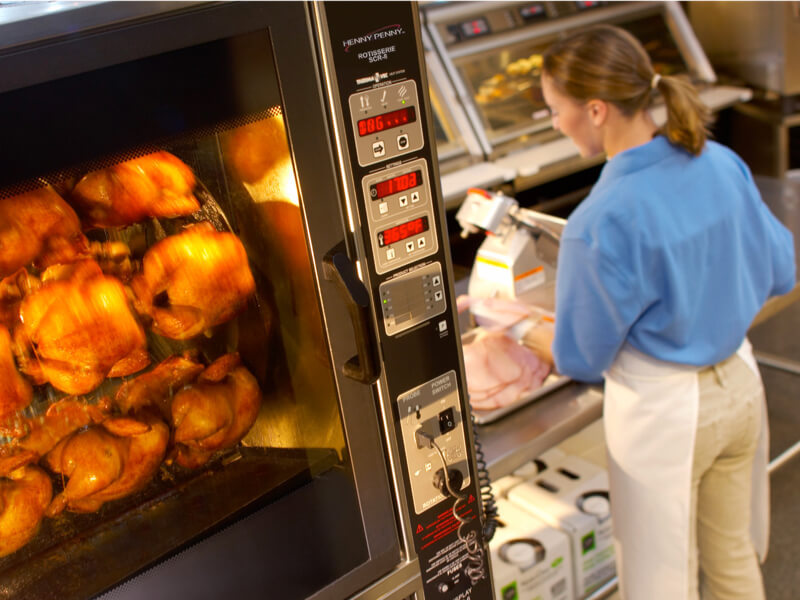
column 572, row 118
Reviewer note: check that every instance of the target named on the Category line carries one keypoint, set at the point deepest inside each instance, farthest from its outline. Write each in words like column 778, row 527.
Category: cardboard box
column 530, row 559
column 574, row 498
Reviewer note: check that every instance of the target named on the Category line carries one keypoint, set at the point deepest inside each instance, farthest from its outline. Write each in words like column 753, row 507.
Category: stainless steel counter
column 525, row 434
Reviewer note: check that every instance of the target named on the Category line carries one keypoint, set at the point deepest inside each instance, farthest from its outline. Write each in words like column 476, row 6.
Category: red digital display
column 400, row 232
column 389, row 120
column 395, row 185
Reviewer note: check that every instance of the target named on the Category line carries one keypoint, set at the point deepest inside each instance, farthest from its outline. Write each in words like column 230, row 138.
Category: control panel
column 404, row 264
column 386, row 122
column 412, row 298
column 400, row 215
column 431, row 412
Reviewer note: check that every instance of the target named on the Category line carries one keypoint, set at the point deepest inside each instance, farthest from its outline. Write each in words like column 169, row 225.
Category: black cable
column 485, row 486
column 475, row 567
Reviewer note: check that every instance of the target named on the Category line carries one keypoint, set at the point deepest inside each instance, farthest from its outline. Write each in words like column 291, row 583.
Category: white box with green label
column 549, row 460
column 574, row 498
column 531, row 560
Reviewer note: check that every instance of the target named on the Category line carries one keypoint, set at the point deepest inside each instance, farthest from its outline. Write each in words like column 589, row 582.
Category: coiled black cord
column 485, row 487
column 474, row 568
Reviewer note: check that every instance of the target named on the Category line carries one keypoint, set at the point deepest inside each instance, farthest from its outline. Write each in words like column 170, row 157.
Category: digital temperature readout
column 400, row 232
column 395, row 185
column 389, row 120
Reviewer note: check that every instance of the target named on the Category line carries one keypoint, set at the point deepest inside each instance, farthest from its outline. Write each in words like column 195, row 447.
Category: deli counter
column 487, row 56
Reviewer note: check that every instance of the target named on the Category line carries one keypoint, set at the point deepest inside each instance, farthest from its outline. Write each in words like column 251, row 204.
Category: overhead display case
column 492, row 54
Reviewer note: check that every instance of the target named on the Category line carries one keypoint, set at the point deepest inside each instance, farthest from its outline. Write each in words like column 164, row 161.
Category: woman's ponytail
column 687, row 117
column 608, row 63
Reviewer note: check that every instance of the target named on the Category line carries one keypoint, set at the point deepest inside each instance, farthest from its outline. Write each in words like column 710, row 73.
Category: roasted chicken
column 215, row 412
column 193, row 281
column 78, row 329
column 38, row 227
column 24, row 496
column 256, row 148
column 154, row 185
column 37, row 435
column 15, row 391
column 107, row 462
column 157, row 387
column 10, row 298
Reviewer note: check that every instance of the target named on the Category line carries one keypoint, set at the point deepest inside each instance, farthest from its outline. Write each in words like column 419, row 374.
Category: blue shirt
column 670, row 252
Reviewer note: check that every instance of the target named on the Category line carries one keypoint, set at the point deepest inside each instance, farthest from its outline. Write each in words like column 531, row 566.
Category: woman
column 661, row 270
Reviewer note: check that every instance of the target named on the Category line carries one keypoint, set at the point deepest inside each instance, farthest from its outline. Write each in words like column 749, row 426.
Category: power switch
column 447, row 421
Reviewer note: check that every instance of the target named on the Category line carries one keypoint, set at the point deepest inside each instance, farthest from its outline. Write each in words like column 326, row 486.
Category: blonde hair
column 607, row 63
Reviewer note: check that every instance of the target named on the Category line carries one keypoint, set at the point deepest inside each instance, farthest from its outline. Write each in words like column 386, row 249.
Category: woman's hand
column 539, row 339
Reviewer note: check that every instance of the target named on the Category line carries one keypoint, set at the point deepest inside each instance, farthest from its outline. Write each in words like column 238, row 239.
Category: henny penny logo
column 387, row 31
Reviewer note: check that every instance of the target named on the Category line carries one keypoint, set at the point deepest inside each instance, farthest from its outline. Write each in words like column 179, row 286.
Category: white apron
column 650, row 417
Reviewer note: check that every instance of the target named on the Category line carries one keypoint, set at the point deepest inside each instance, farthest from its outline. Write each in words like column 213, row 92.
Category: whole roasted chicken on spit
column 15, row 391
column 154, row 185
column 24, row 496
column 215, row 412
column 193, row 281
column 107, row 462
column 157, row 387
column 38, row 227
column 36, row 436
column 77, row 329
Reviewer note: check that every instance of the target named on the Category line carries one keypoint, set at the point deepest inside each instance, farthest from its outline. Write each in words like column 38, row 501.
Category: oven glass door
column 164, row 320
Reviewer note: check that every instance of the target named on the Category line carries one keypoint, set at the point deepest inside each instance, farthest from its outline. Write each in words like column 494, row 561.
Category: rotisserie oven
column 190, row 258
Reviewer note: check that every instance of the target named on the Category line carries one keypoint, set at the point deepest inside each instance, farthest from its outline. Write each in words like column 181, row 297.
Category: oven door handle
column 339, row 269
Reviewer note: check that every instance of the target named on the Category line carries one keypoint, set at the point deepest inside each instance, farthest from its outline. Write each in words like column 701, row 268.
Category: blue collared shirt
column 672, row 253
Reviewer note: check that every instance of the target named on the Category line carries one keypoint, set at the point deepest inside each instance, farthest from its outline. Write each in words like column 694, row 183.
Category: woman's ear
column 598, row 111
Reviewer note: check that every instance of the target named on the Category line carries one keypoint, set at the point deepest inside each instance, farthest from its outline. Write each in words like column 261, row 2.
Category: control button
column 436, row 281
column 403, row 200
column 421, row 242
column 414, row 197
column 378, row 149
column 383, row 207
column 438, row 296
column 390, row 254
column 442, row 325
column 447, row 421
column 402, row 141
column 410, row 247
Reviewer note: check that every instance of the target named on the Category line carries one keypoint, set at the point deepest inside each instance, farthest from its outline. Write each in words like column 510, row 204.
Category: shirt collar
column 636, row 158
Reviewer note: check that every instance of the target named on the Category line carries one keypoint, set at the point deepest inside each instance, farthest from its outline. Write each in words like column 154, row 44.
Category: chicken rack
column 121, row 388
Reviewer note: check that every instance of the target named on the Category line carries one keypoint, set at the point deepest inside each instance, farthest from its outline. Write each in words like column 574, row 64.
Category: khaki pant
column 729, row 421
